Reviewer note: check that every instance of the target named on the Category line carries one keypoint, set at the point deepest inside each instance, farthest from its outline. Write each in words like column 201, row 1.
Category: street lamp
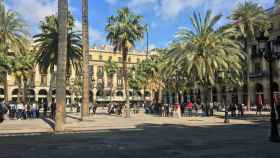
column 270, row 49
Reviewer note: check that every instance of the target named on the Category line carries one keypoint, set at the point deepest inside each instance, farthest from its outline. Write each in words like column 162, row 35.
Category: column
column 251, row 95
column 240, row 95
column 266, row 90
column 219, row 94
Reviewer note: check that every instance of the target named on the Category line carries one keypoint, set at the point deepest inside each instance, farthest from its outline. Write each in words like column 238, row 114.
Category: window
column 44, row 80
column 109, row 81
column 90, row 70
column 138, row 60
column 100, row 57
column 129, row 59
column 89, row 57
column 119, row 82
column 120, row 59
column 100, row 71
column 110, row 58
column 254, row 49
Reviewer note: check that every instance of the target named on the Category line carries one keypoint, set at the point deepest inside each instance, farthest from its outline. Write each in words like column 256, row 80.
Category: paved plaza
column 139, row 136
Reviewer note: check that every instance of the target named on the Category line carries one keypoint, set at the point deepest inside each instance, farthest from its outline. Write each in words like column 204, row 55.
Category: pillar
column 266, row 90
column 240, row 95
column 251, row 95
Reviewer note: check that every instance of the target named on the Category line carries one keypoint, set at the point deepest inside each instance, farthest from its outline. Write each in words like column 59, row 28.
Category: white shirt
column 20, row 106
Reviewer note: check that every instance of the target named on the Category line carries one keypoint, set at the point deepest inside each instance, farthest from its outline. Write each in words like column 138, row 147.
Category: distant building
column 38, row 85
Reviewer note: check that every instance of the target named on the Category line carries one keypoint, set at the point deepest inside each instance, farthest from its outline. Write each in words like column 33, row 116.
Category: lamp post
column 270, row 49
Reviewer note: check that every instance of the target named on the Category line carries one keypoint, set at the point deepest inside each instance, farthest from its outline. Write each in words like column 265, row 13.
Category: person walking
column 20, row 110
column 34, row 110
column 45, row 107
column 3, row 111
column 189, row 108
column 53, row 108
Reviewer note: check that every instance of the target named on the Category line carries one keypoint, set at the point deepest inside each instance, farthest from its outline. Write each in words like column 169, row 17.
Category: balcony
column 258, row 75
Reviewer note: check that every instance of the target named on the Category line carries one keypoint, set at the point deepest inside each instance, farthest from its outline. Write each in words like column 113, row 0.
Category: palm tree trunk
column 248, row 78
column 19, row 94
column 61, row 65
column 125, row 78
column 85, row 108
column 111, row 90
column 144, row 97
column 6, row 88
column 52, row 84
column 24, row 97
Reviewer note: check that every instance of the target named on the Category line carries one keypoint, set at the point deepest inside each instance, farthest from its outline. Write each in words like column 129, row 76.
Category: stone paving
column 103, row 136
column 106, row 122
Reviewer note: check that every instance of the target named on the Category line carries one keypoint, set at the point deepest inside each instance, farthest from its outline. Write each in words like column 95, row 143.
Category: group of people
column 20, row 110
column 192, row 109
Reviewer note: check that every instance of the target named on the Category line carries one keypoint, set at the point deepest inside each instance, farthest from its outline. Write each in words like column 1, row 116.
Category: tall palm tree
column 203, row 51
column 61, row 64
column 249, row 18
column 85, row 108
column 46, row 48
column 13, row 36
column 111, row 68
column 124, row 30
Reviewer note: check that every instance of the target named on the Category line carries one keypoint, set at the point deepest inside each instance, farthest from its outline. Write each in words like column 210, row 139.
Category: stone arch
column 119, row 93
column 43, row 92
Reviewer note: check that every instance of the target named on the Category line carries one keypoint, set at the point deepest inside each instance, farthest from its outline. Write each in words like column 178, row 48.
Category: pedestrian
column 34, row 110
column 3, row 111
column 277, row 108
column 20, row 111
column 189, row 108
column 195, row 107
column 162, row 111
column 45, row 108
column 28, row 111
column 211, row 109
column 94, row 108
column 53, row 108
column 259, row 109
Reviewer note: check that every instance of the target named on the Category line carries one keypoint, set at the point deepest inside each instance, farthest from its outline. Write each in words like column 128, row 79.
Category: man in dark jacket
column 3, row 111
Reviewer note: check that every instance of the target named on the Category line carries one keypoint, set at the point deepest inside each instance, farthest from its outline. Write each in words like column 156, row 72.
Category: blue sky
column 164, row 17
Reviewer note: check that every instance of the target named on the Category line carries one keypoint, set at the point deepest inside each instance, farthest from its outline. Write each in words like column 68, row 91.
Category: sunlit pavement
column 142, row 136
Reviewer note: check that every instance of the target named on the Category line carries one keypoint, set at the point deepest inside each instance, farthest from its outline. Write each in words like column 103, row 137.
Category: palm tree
column 249, row 18
column 124, row 30
column 111, row 68
column 61, row 64
column 46, row 48
column 85, row 108
column 22, row 67
column 203, row 51
column 13, row 36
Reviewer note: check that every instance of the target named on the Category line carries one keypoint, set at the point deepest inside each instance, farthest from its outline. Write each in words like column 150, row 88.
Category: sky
column 164, row 17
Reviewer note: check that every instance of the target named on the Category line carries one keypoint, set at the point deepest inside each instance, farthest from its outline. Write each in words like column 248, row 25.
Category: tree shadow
column 49, row 121
column 151, row 140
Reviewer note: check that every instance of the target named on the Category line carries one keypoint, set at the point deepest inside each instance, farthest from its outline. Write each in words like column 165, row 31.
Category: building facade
column 38, row 87
column 255, row 89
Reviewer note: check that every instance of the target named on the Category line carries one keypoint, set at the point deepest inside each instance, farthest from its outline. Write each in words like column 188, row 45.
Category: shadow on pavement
column 149, row 141
column 49, row 121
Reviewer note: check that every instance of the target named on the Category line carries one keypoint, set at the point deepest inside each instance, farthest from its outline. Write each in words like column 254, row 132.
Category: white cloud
column 33, row 11
column 168, row 9
column 139, row 5
column 94, row 35
column 111, row 2
column 152, row 46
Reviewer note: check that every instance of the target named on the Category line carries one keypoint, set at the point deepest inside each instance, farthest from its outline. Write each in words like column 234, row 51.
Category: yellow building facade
column 38, row 87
